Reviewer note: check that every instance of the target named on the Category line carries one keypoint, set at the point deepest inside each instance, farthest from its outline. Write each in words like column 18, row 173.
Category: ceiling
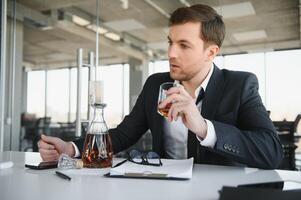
column 52, row 36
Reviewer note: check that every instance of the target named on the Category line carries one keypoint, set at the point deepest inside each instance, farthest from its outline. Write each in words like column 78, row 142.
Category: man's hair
column 212, row 25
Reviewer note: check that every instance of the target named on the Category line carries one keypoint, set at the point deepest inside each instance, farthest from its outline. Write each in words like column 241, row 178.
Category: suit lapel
column 212, row 97
column 213, row 94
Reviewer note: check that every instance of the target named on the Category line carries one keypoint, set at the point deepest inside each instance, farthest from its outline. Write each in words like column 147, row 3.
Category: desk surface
column 21, row 183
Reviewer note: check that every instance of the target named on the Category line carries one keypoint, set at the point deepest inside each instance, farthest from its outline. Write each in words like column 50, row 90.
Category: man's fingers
column 46, row 152
column 176, row 110
column 49, row 139
column 171, row 99
column 49, row 158
column 49, row 155
column 177, row 90
column 44, row 145
column 173, row 90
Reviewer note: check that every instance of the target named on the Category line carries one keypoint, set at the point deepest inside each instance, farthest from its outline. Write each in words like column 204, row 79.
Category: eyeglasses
column 149, row 158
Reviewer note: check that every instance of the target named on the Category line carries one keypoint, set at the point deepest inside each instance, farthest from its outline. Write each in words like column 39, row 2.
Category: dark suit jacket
column 245, row 133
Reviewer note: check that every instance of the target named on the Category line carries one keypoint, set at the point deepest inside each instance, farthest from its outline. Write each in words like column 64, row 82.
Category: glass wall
column 36, row 93
column 116, row 92
column 61, row 93
column 73, row 94
column 250, row 63
column 283, row 71
column 58, row 95
column 158, row 66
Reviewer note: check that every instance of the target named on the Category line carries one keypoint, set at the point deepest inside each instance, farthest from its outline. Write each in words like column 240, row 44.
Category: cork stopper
column 79, row 164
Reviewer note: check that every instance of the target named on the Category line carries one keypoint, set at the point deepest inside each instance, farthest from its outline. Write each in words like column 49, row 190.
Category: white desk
column 21, row 183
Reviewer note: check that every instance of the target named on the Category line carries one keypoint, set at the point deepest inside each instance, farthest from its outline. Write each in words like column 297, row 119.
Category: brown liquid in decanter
column 97, row 151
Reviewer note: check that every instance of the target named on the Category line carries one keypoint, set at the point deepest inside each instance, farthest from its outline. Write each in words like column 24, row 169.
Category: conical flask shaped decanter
column 98, row 152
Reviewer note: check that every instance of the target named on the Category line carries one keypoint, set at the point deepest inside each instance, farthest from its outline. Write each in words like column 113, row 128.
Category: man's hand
column 50, row 148
column 184, row 105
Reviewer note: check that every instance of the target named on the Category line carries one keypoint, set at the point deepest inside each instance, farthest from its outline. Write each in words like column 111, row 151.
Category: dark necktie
column 192, row 142
column 200, row 96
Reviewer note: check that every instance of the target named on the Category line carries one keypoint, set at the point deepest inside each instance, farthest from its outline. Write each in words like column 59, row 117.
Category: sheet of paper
column 173, row 168
column 251, row 170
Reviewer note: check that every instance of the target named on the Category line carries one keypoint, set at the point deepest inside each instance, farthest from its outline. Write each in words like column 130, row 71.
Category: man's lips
column 174, row 66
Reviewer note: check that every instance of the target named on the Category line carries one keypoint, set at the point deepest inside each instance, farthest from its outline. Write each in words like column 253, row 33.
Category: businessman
column 216, row 116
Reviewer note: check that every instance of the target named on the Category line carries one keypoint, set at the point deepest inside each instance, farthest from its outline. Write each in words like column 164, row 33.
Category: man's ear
column 211, row 51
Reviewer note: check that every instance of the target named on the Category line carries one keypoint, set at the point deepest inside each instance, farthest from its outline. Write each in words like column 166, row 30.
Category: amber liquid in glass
column 98, row 152
column 164, row 111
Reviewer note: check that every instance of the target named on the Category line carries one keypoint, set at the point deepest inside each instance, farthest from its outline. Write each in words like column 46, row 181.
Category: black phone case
column 43, row 165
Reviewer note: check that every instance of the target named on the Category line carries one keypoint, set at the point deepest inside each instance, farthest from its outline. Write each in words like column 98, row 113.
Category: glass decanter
column 98, row 152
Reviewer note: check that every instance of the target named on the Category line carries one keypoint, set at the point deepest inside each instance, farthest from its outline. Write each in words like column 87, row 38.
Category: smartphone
column 43, row 165
column 281, row 185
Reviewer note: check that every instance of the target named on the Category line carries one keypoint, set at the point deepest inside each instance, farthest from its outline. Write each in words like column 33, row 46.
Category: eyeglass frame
column 144, row 159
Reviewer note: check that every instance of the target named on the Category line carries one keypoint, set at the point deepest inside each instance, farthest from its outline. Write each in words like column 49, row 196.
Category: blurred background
column 40, row 58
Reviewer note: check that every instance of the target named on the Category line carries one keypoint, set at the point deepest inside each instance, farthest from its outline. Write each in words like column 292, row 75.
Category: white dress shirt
column 176, row 133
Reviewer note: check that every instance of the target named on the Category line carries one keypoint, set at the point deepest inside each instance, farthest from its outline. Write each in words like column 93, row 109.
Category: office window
column 250, row 63
column 58, row 95
column 84, row 92
column 158, row 66
column 36, row 93
column 219, row 61
column 116, row 86
column 283, row 83
column 116, row 93
column 126, row 89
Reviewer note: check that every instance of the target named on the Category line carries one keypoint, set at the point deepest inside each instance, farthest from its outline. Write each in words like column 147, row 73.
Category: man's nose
column 172, row 52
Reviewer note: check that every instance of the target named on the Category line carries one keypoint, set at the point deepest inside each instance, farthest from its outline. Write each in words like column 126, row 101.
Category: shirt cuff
column 210, row 139
column 77, row 153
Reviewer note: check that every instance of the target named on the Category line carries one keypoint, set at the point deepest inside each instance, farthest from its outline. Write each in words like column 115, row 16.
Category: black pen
column 120, row 163
column 62, row 175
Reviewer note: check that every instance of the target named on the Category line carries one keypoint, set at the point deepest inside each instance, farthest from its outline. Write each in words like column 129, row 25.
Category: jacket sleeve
column 134, row 125
column 254, row 141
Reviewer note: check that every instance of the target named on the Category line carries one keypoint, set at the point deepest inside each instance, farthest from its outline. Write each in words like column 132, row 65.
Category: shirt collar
column 203, row 84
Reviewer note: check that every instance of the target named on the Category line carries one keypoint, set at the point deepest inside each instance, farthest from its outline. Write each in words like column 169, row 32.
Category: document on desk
column 171, row 169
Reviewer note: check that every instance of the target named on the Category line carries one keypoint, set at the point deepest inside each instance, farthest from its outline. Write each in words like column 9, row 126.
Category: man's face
column 186, row 53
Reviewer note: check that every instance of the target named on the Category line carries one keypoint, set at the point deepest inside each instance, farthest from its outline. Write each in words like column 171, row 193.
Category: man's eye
column 169, row 43
column 184, row 46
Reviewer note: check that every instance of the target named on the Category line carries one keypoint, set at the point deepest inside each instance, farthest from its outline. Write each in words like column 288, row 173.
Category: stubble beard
column 182, row 76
